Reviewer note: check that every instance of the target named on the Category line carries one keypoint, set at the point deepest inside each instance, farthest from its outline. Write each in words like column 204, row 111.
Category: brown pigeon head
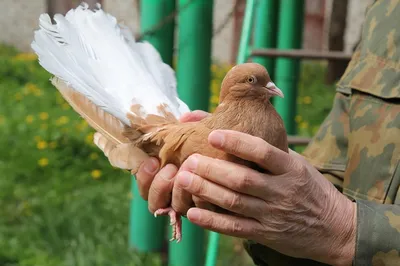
column 248, row 80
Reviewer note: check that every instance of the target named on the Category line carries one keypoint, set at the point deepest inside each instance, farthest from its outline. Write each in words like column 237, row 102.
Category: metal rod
column 290, row 31
column 147, row 233
column 265, row 29
column 297, row 140
column 193, row 76
column 244, row 50
column 302, row 54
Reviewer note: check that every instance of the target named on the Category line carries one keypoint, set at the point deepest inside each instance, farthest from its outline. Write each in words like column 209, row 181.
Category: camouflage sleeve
column 378, row 234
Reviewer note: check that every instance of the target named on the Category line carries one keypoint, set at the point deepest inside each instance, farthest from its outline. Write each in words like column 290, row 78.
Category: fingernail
column 151, row 166
column 185, row 178
column 169, row 172
column 193, row 214
column 216, row 138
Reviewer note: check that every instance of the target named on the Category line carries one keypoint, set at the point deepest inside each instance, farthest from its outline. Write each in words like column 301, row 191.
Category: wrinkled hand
column 291, row 207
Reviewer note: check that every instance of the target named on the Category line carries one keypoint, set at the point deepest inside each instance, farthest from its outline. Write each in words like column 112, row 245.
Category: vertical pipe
column 147, row 233
column 243, row 53
column 244, row 45
column 193, row 75
column 212, row 249
column 290, row 33
column 265, row 30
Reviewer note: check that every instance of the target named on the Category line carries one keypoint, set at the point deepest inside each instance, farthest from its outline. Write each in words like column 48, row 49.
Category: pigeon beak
column 274, row 90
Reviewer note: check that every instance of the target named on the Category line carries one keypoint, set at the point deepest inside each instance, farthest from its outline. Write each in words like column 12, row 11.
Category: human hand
column 291, row 207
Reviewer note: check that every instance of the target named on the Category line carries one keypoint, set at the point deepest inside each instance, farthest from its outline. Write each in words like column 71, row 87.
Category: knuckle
column 200, row 188
column 243, row 181
column 265, row 153
column 236, row 227
column 299, row 168
column 235, row 202
column 234, row 144
column 207, row 170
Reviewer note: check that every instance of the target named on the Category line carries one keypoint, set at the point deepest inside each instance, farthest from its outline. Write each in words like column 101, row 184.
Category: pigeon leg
column 175, row 222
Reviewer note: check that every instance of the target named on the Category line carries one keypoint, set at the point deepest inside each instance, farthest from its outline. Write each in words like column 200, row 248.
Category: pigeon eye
column 251, row 79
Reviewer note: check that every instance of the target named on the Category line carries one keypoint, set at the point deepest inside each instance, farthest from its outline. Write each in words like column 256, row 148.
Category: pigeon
column 124, row 90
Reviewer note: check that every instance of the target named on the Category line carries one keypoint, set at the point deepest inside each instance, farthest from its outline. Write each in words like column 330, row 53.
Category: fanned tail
column 101, row 121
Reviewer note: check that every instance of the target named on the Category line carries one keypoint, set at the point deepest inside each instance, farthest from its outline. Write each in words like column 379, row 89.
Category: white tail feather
column 95, row 56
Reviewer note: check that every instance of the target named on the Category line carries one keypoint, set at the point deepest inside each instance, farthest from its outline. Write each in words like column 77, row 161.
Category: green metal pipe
column 193, row 76
column 247, row 27
column 212, row 249
column 265, row 30
column 147, row 233
column 290, row 33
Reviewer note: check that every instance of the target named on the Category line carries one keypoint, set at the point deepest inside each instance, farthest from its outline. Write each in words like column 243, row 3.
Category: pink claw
column 175, row 222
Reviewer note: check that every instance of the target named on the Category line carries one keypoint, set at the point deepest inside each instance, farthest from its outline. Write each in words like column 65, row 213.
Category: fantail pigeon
column 124, row 91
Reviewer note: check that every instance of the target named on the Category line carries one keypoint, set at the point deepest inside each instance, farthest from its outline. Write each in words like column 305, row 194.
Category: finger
column 160, row 191
column 194, row 116
column 203, row 204
column 219, row 195
column 181, row 199
column 145, row 176
column 227, row 174
column 225, row 224
column 251, row 149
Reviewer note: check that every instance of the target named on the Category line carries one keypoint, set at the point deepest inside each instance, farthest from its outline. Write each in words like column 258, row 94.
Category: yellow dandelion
column 89, row 138
column 43, row 162
column 29, row 119
column 303, row 125
column 18, row 96
column 53, row 145
column 93, row 156
column 44, row 116
column 307, row 100
column 41, row 145
column 44, row 126
column 30, row 87
column 62, row 120
column 38, row 93
column 298, row 119
column 96, row 174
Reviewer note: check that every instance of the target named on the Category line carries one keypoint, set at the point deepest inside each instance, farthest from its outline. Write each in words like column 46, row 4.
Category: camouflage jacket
column 358, row 145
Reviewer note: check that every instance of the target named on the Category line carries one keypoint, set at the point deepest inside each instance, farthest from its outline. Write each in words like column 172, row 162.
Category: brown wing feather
column 103, row 122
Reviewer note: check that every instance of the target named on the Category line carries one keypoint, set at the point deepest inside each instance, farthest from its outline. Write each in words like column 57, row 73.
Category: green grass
column 61, row 202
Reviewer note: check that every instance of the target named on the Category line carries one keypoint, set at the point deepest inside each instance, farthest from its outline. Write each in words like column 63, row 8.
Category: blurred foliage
column 61, row 201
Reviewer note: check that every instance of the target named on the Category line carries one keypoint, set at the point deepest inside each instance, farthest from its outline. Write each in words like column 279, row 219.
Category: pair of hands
column 290, row 207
